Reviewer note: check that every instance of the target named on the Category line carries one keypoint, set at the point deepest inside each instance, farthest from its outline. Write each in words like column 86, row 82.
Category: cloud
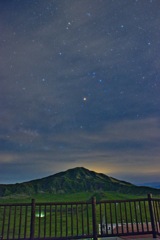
column 121, row 148
column 56, row 53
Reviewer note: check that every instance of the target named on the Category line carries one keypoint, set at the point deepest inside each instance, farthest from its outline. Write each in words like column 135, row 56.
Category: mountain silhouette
column 74, row 180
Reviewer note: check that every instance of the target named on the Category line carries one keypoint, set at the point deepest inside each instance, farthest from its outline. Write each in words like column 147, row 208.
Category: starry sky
column 79, row 86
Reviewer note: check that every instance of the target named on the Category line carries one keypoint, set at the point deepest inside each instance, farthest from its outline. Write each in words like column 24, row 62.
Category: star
column 88, row 14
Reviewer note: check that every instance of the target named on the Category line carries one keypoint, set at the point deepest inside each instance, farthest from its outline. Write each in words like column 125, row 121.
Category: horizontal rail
column 15, row 204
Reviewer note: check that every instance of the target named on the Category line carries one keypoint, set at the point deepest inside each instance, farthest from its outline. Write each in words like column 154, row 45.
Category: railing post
column 94, row 222
column 152, row 215
column 33, row 209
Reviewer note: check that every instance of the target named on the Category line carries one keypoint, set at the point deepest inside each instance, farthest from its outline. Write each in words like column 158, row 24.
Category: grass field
column 72, row 197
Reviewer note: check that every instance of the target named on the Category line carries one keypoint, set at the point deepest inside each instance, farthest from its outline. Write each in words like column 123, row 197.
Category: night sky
column 79, row 86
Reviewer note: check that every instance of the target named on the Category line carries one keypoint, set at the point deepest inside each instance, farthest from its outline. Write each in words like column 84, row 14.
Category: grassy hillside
column 72, row 181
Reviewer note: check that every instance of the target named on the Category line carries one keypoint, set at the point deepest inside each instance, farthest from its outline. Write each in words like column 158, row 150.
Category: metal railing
column 80, row 220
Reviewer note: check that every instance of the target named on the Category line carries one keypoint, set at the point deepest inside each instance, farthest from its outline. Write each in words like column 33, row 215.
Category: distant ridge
column 78, row 179
column 151, row 184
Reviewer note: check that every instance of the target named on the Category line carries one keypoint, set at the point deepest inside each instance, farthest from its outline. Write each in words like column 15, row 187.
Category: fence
column 80, row 220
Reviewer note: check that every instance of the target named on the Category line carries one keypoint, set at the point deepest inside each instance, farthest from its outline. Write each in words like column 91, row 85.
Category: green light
column 40, row 214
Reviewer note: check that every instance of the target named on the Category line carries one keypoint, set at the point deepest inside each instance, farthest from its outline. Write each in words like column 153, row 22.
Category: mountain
column 151, row 184
column 74, row 180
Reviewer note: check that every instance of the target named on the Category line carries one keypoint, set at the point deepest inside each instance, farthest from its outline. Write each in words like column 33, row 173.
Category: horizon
column 80, row 86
